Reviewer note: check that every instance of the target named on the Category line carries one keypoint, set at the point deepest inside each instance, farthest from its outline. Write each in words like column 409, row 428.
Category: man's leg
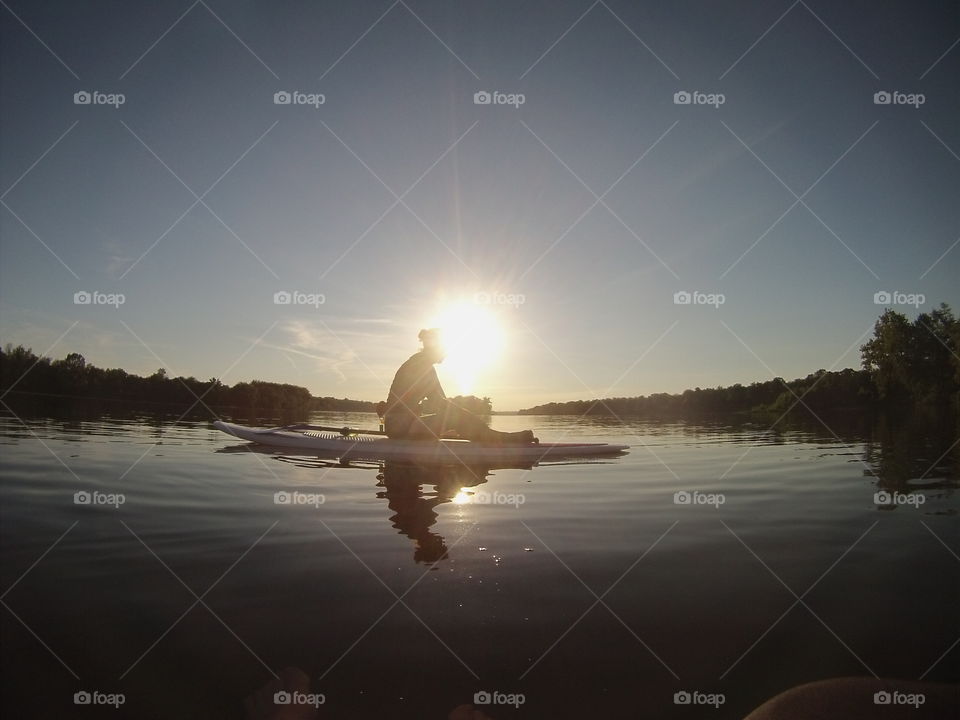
column 464, row 423
column 472, row 427
column 453, row 419
column 449, row 422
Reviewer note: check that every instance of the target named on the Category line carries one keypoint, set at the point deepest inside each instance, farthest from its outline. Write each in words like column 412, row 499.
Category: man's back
column 415, row 380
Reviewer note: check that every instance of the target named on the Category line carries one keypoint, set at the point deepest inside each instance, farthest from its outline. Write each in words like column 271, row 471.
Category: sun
column 473, row 340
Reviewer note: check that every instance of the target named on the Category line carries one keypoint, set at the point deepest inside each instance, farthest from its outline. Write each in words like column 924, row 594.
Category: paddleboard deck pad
column 359, row 447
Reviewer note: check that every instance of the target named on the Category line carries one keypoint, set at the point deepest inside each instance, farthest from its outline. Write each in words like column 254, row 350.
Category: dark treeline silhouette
column 847, row 389
column 73, row 377
column 341, row 404
column 905, row 365
column 915, row 363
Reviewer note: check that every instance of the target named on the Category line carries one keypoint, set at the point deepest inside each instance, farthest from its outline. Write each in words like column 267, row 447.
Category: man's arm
column 435, row 393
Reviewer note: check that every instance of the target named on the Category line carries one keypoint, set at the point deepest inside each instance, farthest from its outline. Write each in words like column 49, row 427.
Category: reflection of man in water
column 416, row 389
column 414, row 514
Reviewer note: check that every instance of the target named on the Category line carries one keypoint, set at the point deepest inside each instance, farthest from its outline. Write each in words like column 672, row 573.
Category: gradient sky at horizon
column 493, row 198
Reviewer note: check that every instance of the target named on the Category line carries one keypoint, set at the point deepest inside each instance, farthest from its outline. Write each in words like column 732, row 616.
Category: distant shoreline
column 906, row 366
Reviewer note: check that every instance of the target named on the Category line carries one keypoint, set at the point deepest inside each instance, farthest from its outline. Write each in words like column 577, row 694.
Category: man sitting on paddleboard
column 416, row 386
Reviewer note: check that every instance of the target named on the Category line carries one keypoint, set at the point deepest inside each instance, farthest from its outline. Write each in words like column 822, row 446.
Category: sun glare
column 473, row 340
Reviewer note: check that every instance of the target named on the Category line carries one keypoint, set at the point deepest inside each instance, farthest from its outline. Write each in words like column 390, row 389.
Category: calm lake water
column 592, row 590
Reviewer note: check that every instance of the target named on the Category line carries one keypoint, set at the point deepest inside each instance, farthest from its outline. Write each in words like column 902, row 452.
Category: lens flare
column 473, row 340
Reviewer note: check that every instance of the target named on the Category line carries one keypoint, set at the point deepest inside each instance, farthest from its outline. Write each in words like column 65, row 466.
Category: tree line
column 905, row 365
column 28, row 375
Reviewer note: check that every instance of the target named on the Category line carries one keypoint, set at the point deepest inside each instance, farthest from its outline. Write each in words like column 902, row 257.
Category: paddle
column 345, row 431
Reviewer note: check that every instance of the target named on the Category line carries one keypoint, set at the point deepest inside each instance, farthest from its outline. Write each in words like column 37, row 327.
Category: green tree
column 934, row 355
column 75, row 362
column 886, row 356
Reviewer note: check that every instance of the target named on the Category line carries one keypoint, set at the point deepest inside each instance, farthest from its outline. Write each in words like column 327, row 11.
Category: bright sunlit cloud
column 473, row 339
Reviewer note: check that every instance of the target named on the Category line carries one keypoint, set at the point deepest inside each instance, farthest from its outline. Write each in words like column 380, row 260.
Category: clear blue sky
column 494, row 198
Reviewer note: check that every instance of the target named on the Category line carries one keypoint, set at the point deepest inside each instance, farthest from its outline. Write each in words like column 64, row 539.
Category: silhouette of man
column 417, row 407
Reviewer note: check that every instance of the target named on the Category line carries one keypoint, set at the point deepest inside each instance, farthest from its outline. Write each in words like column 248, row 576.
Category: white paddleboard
column 359, row 447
